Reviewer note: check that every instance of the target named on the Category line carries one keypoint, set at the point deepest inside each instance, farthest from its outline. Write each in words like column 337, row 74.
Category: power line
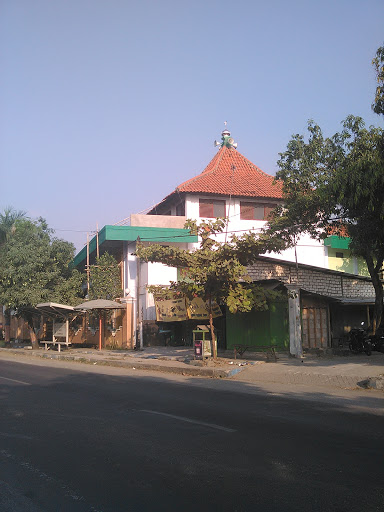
column 74, row 230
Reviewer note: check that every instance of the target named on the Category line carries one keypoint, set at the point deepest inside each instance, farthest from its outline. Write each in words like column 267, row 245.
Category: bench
column 268, row 349
column 55, row 342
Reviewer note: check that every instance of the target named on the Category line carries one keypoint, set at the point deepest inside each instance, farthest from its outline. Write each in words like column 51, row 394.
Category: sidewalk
column 347, row 372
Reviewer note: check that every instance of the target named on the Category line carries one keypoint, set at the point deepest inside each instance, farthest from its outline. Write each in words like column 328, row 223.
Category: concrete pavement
column 354, row 371
column 347, row 372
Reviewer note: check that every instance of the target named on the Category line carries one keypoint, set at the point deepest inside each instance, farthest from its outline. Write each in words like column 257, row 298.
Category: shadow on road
column 109, row 436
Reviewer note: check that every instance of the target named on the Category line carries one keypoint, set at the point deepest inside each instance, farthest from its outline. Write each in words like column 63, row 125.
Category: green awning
column 337, row 242
column 131, row 233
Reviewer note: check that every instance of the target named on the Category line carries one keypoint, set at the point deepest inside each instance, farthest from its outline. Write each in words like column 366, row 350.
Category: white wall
column 308, row 250
column 235, row 225
column 130, row 269
column 159, row 274
column 154, row 274
column 150, row 274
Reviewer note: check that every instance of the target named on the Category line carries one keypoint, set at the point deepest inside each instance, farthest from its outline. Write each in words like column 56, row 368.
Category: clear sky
column 107, row 105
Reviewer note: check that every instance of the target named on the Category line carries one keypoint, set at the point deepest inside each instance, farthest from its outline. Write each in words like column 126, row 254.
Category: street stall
column 60, row 315
column 100, row 305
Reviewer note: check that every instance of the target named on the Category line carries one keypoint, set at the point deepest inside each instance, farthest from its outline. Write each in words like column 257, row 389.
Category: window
column 268, row 208
column 255, row 211
column 339, row 255
column 211, row 208
column 180, row 209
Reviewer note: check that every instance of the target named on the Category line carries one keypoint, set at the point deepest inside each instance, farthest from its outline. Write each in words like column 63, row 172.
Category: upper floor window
column 211, row 208
column 255, row 211
column 180, row 209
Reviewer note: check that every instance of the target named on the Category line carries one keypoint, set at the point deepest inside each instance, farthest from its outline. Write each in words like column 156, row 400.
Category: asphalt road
column 110, row 441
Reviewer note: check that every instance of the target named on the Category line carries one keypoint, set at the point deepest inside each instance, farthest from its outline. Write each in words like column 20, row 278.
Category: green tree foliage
column 105, row 279
column 378, row 64
column 336, row 182
column 35, row 268
column 8, row 219
column 216, row 271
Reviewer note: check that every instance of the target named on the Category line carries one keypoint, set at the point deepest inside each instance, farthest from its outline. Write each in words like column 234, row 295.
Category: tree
column 35, row 267
column 7, row 227
column 216, row 271
column 7, row 222
column 105, row 279
column 336, row 182
column 378, row 64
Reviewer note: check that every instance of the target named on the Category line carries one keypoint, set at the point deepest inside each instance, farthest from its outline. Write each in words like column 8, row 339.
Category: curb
column 285, row 377
column 373, row 383
column 321, row 380
column 214, row 373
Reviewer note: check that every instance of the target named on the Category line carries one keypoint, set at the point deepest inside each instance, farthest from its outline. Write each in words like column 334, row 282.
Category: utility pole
column 88, row 269
column 139, row 330
column 97, row 241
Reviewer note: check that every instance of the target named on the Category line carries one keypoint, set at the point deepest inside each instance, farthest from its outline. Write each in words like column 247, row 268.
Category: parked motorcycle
column 359, row 342
column 377, row 341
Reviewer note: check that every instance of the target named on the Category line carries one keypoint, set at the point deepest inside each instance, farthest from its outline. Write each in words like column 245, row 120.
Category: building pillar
column 295, row 343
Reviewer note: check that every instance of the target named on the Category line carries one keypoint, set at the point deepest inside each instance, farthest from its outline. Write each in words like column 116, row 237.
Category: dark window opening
column 255, row 211
column 180, row 209
column 339, row 255
column 211, row 208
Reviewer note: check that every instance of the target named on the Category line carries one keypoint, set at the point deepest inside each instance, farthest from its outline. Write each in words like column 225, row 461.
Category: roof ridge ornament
column 226, row 139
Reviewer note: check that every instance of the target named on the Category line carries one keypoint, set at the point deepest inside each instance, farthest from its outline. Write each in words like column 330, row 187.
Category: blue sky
column 106, row 106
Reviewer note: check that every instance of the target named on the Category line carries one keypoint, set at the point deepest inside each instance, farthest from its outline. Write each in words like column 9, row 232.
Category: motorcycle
column 359, row 342
column 377, row 341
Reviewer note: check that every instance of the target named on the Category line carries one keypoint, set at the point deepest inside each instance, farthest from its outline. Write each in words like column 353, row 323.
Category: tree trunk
column 213, row 337
column 32, row 333
column 378, row 286
column 7, row 326
column 378, row 311
column 34, row 342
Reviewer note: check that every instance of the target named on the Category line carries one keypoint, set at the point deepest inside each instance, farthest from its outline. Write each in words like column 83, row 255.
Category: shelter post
column 295, row 342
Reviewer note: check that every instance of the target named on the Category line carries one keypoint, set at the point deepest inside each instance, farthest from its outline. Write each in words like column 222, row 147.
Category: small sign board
column 207, row 352
column 171, row 310
column 60, row 330
column 199, row 310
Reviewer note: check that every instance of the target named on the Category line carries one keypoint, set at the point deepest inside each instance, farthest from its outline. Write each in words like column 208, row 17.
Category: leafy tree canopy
column 378, row 64
column 335, row 183
column 8, row 219
column 35, row 267
column 105, row 279
column 216, row 271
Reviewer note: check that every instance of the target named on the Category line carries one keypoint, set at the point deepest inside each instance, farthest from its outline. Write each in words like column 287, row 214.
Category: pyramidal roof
column 230, row 173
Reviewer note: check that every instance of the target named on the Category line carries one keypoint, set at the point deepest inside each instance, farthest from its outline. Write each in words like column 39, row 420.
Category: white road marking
column 189, row 420
column 16, row 436
column 18, row 381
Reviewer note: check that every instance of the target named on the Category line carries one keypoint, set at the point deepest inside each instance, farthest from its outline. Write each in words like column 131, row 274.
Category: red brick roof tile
column 339, row 229
column 230, row 173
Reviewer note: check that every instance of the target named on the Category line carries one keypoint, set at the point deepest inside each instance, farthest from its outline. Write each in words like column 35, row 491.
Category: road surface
column 109, row 440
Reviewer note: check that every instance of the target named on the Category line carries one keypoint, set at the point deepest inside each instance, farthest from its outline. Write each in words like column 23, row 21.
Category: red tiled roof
column 230, row 173
column 338, row 229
